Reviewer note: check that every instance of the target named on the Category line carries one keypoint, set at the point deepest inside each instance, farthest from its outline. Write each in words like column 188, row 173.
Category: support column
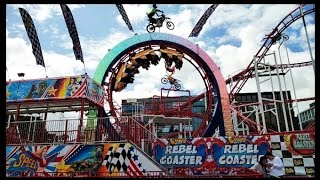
column 81, row 122
column 281, row 95
column 259, row 98
column 305, row 29
column 293, row 86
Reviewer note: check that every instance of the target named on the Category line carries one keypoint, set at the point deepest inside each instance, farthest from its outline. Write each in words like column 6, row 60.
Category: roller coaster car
column 119, row 86
column 154, row 59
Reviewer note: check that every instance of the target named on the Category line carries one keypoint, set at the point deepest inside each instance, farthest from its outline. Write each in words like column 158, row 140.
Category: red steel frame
column 246, row 74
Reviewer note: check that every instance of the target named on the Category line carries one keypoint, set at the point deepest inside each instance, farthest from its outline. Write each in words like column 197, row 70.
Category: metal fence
column 70, row 131
column 60, row 131
column 127, row 174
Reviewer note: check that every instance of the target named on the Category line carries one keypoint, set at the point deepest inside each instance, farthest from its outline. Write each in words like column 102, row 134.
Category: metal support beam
column 305, row 29
column 259, row 97
column 281, row 95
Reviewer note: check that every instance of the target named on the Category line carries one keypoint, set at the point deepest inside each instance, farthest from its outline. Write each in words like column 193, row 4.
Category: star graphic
column 7, row 93
column 52, row 91
column 135, row 157
column 131, row 148
column 139, row 164
column 143, row 170
column 62, row 167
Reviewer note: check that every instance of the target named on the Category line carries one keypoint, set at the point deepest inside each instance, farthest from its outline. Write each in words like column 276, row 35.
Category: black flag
column 72, row 31
column 124, row 16
column 198, row 27
column 32, row 34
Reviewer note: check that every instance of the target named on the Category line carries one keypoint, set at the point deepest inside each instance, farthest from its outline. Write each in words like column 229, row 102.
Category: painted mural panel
column 54, row 88
column 195, row 156
column 211, row 152
column 95, row 92
column 63, row 160
column 297, row 152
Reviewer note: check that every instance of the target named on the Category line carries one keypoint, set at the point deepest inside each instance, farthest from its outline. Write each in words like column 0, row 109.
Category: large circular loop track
column 215, row 85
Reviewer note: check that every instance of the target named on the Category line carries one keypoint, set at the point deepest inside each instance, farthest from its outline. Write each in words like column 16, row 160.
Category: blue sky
column 231, row 36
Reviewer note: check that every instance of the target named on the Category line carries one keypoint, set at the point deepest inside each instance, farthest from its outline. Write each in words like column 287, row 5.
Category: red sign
column 300, row 144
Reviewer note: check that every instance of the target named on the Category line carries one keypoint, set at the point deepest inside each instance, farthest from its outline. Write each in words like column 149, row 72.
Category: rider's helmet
column 154, row 6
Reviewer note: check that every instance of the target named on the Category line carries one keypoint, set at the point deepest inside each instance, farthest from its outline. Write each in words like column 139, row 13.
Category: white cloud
column 42, row 13
column 136, row 13
column 19, row 58
column 246, row 24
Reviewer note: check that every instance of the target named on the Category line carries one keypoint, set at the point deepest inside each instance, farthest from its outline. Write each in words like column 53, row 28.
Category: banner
column 195, row 156
column 124, row 16
column 297, row 152
column 55, row 88
column 32, row 34
column 113, row 159
column 198, row 27
column 72, row 32
column 212, row 152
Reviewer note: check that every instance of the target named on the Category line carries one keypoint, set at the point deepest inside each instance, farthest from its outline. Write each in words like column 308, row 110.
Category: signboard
column 300, row 144
column 297, row 152
column 131, row 100
column 54, row 88
column 111, row 159
column 211, row 152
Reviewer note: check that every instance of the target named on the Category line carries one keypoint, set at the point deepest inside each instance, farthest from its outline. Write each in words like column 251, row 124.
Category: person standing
column 274, row 166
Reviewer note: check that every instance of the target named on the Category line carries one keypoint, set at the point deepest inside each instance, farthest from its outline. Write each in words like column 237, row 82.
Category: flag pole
column 45, row 71
column 84, row 67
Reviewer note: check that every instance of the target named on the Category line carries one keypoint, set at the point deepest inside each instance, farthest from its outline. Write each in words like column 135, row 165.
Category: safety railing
column 91, row 173
column 219, row 172
column 137, row 133
column 215, row 173
column 70, row 131
column 62, row 131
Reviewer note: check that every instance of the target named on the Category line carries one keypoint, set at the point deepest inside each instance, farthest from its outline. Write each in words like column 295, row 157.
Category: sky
column 231, row 37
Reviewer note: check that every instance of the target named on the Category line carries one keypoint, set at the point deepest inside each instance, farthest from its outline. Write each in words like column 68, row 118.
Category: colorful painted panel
column 211, row 152
column 95, row 92
column 297, row 152
column 60, row 160
column 54, row 88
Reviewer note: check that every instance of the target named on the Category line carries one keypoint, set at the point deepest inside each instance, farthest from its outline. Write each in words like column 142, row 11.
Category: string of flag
column 68, row 17
column 33, row 36
column 124, row 16
column 198, row 27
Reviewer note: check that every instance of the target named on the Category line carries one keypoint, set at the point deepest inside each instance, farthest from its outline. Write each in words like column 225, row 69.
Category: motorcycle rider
column 152, row 13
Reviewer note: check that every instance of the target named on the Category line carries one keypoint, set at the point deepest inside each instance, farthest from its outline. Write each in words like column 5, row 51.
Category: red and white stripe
column 80, row 92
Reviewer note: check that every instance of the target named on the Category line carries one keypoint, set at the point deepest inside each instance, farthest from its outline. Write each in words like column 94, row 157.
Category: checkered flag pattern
column 107, row 160
column 198, row 27
column 72, row 31
column 294, row 165
column 32, row 34
column 117, row 159
column 124, row 16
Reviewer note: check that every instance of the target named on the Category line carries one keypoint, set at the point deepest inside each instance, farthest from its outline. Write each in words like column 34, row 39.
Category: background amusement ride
column 157, row 136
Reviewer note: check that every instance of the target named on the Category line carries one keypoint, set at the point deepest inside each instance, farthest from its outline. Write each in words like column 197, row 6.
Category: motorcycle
column 159, row 22
column 174, row 82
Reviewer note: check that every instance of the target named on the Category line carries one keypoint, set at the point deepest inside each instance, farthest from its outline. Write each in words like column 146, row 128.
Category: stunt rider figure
column 152, row 13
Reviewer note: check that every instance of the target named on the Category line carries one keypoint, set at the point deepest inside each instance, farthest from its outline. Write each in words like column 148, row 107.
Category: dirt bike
column 159, row 22
column 174, row 82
